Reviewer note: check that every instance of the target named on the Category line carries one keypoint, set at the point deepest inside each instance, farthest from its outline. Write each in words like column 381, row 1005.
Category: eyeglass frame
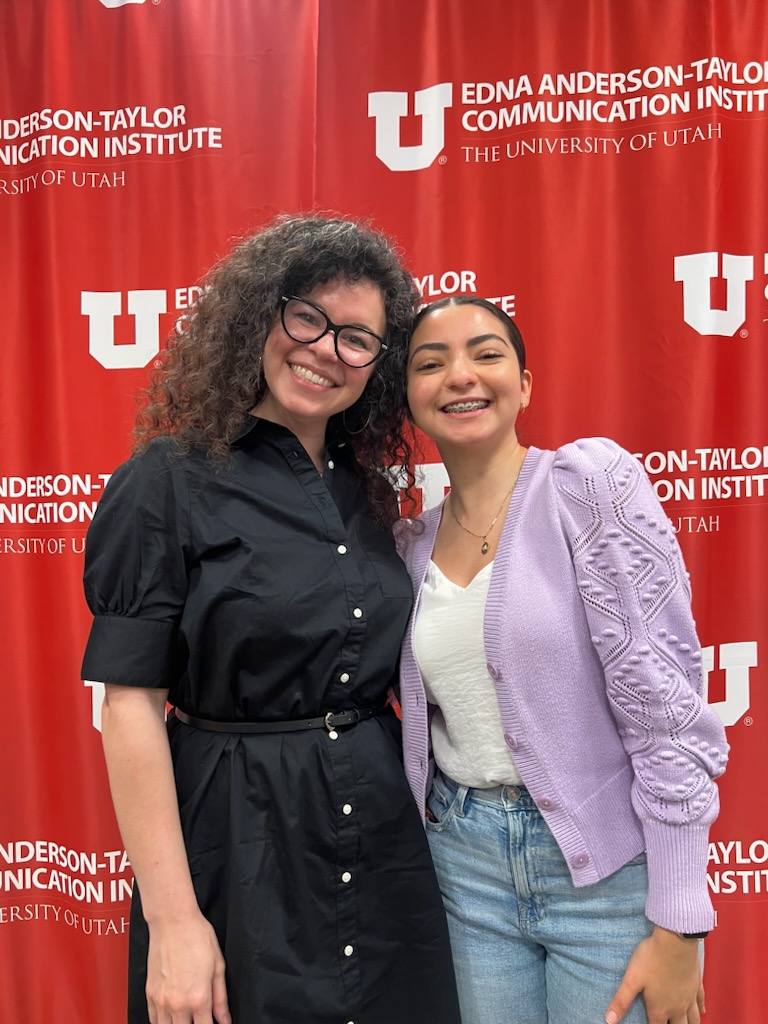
column 334, row 329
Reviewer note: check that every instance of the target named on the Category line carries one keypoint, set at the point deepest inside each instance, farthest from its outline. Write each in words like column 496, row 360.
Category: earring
column 364, row 427
column 523, row 407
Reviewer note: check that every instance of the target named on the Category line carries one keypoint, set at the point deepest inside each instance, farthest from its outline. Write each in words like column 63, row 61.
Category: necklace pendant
column 484, row 548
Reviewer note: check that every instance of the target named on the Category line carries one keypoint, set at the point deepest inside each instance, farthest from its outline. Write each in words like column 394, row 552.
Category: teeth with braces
column 314, row 378
column 465, row 406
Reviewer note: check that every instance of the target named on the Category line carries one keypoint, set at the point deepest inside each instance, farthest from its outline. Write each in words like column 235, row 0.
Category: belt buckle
column 328, row 720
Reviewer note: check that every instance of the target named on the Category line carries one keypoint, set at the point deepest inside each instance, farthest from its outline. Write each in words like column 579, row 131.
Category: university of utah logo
column 696, row 271
column 102, row 309
column 735, row 660
column 389, row 107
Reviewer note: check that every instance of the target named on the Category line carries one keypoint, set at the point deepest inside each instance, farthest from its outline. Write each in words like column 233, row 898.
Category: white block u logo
column 736, row 659
column 101, row 308
column 696, row 271
column 388, row 107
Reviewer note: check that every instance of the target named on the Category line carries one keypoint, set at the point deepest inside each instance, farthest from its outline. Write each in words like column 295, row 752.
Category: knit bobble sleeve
column 636, row 594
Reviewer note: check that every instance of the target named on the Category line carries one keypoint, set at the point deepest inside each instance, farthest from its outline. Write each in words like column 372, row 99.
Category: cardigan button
column 493, row 671
column 580, row 860
column 510, row 740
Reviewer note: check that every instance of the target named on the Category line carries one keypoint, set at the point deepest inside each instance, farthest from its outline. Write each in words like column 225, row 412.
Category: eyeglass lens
column 306, row 323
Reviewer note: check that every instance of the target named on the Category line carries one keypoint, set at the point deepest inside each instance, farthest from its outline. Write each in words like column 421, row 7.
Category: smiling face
column 465, row 386
column 307, row 384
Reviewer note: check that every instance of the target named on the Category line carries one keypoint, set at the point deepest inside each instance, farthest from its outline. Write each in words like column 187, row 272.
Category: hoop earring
column 364, row 427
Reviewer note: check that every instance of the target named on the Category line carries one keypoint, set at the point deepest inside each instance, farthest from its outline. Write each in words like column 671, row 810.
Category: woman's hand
column 185, row 973
column 667, row 970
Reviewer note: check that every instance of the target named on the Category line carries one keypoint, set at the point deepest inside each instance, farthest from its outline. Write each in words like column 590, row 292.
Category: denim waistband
column 506, row 797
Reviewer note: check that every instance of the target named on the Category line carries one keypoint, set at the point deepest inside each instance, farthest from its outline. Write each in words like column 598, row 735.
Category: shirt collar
column 255, row 427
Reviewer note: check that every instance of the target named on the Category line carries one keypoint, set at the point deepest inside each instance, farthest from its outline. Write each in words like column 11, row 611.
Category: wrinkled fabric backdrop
column 596, row 168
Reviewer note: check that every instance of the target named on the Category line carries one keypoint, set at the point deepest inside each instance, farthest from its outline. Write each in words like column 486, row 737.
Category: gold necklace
column 482, row 536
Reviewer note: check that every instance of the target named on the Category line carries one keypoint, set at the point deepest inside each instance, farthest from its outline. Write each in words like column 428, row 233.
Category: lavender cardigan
column 590, row 641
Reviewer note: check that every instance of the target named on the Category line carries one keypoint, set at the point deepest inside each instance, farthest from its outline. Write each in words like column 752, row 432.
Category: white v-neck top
column 467, row 736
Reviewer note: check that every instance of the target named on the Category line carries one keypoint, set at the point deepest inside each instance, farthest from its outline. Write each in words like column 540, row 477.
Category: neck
column 479, row 477
column 309, row 433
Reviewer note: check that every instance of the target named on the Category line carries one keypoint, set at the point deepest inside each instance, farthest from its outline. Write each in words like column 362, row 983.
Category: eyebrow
column 357, row 326
column 439, row 346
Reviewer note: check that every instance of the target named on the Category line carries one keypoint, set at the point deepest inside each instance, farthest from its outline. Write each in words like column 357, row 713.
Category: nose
column 326, row 345
column 461, row 373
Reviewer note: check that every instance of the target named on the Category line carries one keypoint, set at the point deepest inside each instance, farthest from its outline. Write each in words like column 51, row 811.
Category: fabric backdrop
column 595, row 168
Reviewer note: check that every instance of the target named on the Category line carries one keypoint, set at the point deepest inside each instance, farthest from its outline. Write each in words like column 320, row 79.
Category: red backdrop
column 596, row 168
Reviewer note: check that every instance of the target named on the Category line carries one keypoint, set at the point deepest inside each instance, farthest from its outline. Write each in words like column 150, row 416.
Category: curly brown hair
column 208, row 378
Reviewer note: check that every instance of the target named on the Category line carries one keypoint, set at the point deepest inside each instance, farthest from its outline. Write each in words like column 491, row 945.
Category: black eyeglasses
column 306, row 323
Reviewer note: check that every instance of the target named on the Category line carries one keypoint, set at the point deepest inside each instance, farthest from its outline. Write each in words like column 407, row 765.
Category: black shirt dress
column 256, row 589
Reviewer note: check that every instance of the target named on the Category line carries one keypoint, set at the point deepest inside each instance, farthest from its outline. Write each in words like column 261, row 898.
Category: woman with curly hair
column 241, row 567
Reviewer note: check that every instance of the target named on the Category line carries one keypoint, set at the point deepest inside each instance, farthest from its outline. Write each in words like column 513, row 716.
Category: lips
column 309, row 375
column 468, row 405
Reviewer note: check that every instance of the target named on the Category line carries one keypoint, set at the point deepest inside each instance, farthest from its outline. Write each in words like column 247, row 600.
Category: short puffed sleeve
column 136, row 558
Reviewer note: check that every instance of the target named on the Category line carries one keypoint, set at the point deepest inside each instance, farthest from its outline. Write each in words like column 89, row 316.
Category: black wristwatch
column 693, row 935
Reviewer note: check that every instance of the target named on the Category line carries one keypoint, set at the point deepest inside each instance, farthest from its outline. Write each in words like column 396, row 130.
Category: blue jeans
column 528, row 946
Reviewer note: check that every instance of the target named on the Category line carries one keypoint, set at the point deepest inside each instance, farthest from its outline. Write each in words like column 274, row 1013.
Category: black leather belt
column 330, row 721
